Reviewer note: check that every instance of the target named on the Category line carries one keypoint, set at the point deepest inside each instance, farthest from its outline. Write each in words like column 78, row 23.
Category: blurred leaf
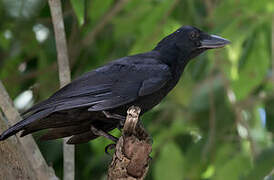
column 263, row 165
column 49, row 81
column 200, row 97
column 196, row 164
column 5, row 39
column 98, row 8
column 148, row 27
column 231, row 165
column 79, row 9
column 269, row 106
column 234, row 169
column 136, row 13
column 170, row 163
column 255, row 67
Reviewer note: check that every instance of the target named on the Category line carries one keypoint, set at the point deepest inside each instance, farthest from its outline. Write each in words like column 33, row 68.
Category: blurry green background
column 218, row 122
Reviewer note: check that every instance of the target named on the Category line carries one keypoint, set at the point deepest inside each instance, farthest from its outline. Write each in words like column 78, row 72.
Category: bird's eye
column 193, row 35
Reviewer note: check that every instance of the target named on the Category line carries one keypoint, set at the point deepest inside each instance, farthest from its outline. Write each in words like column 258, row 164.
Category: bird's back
column 113, row 87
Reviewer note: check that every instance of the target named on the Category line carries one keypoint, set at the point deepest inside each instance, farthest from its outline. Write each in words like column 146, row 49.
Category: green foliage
column 218, row 122
column 79, row 9
column 98, row 9
column 170, row 159
column 255, row 51
column 235, row 167
column 263, row 165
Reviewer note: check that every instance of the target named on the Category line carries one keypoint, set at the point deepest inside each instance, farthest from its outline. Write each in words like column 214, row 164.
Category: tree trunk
column 14, row 163
column 20, row 157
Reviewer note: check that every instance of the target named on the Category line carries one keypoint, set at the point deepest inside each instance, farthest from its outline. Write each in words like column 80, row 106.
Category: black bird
column 100, row 98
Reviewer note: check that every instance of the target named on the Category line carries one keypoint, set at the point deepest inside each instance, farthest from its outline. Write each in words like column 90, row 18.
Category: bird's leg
column 106, row 135
column 99, row 132
column 114, row 116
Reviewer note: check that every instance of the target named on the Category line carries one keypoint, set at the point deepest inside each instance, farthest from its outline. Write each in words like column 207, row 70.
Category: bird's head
column 189, row 42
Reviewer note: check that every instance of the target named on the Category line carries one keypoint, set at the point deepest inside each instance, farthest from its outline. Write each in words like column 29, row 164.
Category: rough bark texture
column 64, row 77
column 20, row 157
column 14, row 165
column 131, row 158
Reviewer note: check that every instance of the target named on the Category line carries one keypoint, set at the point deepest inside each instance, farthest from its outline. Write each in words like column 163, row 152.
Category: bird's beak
column 213, row 41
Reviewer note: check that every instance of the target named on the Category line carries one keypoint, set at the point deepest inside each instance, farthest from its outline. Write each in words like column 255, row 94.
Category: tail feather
column 22, row 124
column 89, row 135
column 51, row 124
column 55, row 120
column 37, row 107
column 56, row 133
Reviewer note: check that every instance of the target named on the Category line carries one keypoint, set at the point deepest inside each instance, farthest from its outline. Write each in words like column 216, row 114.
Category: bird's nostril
column 198, row 43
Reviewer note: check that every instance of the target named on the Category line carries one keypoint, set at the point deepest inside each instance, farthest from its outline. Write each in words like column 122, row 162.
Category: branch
column 131, row 159
column 64, row 76
column 61, row 43
column 32, row 157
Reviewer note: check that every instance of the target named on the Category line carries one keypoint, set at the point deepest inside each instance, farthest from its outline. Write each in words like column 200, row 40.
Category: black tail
column 22, row 124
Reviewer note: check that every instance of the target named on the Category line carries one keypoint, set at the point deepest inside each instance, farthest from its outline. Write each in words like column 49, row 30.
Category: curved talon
column 109, row 147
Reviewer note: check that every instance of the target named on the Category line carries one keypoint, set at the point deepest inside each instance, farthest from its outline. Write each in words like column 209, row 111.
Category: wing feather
column 109, row 87
column 116, row 84
column 125, row 84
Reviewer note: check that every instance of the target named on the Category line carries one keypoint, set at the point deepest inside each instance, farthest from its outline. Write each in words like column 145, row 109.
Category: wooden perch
column 131, row 158
column 14, row 165
column 20, row 157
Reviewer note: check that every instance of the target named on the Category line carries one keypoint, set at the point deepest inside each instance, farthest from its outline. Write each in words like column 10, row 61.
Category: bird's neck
column 174, row 58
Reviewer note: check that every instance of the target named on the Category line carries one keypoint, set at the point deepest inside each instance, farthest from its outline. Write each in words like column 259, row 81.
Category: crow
column 98, row 100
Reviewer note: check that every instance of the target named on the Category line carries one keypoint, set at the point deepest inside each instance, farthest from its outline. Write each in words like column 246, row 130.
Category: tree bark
column 20, row 157
column 131, row 158
column 14, row 165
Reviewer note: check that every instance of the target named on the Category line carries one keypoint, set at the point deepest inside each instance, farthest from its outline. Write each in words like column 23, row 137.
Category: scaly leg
column 106, row 135
column 114, row 116
column 99, row 132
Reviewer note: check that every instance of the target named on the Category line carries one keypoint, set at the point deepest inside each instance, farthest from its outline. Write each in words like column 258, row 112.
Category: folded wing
column 108, row 87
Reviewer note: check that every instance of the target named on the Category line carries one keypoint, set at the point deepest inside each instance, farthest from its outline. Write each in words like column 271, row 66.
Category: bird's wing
column 132, row 81
column 109, row 86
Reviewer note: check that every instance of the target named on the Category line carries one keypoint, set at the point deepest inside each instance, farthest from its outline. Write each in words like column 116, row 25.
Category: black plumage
column 142, row 80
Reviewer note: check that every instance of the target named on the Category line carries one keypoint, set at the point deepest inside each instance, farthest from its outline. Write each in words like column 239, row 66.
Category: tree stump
column 131, row 158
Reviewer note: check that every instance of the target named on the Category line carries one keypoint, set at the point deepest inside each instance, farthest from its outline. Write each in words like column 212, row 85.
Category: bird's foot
column 109, row 147
column 122, row 119
column 99, row 132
